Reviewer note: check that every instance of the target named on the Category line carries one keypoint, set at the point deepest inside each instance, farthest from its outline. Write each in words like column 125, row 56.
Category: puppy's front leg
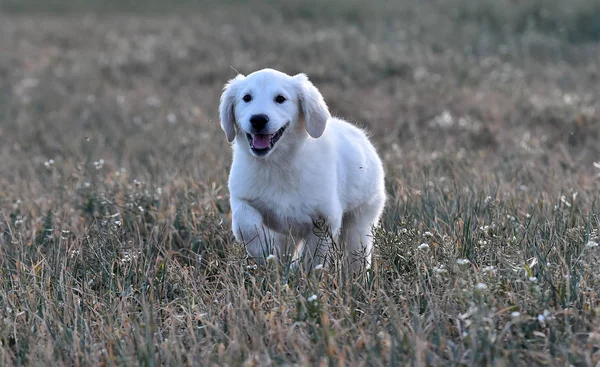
column 248, row 228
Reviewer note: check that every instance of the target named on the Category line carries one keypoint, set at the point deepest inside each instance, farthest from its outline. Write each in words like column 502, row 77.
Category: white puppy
column 294, row 164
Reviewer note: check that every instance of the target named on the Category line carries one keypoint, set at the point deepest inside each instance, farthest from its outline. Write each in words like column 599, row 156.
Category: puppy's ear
column 226, row 107
column 312, row 105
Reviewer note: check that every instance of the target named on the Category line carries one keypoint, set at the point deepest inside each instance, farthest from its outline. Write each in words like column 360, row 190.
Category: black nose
column 259, row 121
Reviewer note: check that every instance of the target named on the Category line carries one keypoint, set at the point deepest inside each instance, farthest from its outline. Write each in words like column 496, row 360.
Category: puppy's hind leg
column 317, row 247
column 357, row 236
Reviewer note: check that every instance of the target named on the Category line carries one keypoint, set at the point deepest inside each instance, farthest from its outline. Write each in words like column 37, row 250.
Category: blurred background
column 494, row 88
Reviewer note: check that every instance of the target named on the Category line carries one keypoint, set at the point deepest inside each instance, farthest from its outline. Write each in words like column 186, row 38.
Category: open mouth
column 262, row 143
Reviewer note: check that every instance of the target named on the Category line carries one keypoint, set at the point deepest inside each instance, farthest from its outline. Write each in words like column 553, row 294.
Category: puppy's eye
column 247, row 98
column 280, row 99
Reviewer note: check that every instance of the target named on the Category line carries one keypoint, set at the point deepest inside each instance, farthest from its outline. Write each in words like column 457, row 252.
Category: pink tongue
column 260, row 141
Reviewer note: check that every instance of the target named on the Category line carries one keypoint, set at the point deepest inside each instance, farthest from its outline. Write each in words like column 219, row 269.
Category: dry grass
column 114, row 220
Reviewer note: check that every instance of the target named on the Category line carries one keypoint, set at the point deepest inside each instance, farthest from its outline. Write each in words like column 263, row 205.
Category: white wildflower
column 515, row 314
column 99, row 164
column 319, row 267
column 172, row 118
column 17, row 204
column 271, row 257
column 423, row 246
column 533, row 279
column 543, row 317
column 445, row 119
column 591, row 244
column 489, row 269
column 440, row 269
column 481, row 286
column 427, row 234
column 488, row 200
column 49, row 163
column 126, row 258
column 463, row 261
column 312, row 298
column 153, row 101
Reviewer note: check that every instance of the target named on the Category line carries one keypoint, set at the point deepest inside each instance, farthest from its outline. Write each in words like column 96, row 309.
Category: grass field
column 115, row 245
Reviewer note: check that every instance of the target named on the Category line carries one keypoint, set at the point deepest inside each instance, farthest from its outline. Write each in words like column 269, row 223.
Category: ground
column 114, row 220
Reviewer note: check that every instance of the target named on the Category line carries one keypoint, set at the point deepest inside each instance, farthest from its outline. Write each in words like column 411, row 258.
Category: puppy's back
column 359, row 168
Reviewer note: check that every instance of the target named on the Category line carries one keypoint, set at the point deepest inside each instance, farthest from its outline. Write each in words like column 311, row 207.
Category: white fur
column 322, row 167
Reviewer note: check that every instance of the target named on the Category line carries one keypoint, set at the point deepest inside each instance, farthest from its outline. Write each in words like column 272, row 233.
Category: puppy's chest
column 285, row 201
column 284, row 214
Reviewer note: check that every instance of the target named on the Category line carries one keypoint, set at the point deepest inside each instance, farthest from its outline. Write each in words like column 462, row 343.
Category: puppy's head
column 264, row 108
